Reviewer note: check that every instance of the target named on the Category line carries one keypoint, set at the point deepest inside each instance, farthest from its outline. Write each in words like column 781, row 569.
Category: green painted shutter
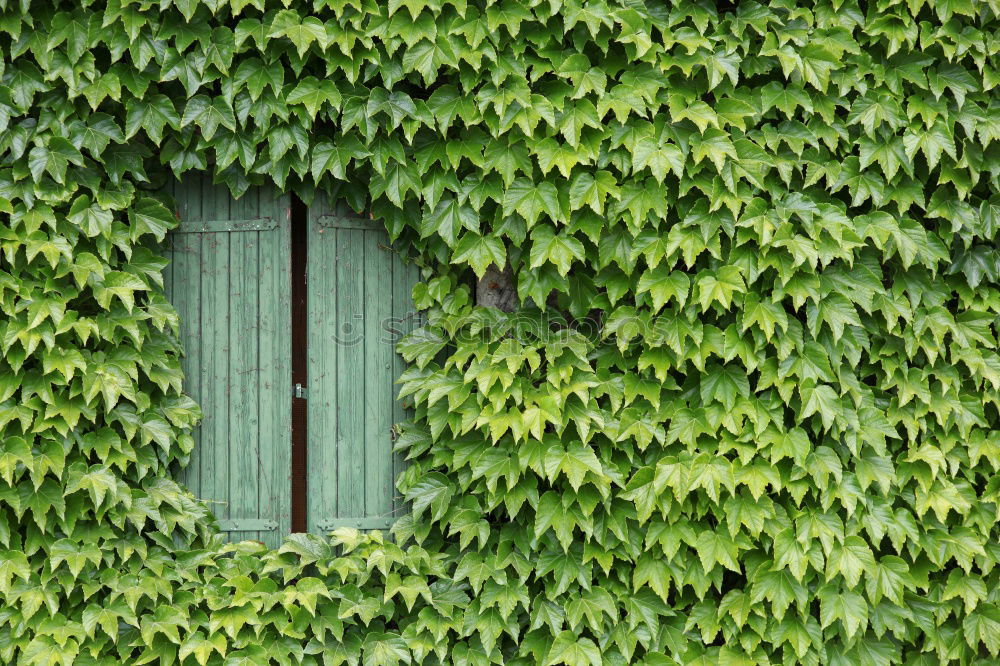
column 359, row 305
column 229, row 278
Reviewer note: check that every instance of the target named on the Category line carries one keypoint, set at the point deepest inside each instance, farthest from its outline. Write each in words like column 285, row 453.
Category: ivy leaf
column 984, row 625
column 575, row 118
column 92, row 219
column 931, row 142
column 97, row 133
column 75, row 30
column 53, row 158
column 334, row 158
column 314, row 94
column 150, row 216
column 12, row 564
column 717, row 547
column 152, row 114
column 448, row 219
column 715, row 145
column 302, row 32
column 258, row 75
column 720, row 286
column 569, row 649
column 848, row 607
column 558, row 249
column 551, row 153
column 530, row 200
column 660, row 157
column 433, row 492
column 664, row 284
column 821, row 400
column 395, row 182
column 45, row 650
column 208, row 115
column 850, row 560
column 872, row 112
column 479, row 252
column 592, row 190
column 14, row 451
column 785, row 99
column 104, row 616
column 724, row 383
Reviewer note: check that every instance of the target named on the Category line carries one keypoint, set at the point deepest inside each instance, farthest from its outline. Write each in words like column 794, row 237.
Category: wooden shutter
column 359, row 304
column 229, row 278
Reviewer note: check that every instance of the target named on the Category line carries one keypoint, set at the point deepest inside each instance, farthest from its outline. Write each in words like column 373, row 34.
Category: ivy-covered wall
column 746, row 411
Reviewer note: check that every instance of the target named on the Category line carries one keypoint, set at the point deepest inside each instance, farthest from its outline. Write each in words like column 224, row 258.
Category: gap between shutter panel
column 300, row 374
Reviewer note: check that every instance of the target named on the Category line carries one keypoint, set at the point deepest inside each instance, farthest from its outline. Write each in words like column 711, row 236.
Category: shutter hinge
column 300, row 391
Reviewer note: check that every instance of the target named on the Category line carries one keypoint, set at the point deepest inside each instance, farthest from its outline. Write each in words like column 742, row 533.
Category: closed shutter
column 229, row 278
column 359, row 304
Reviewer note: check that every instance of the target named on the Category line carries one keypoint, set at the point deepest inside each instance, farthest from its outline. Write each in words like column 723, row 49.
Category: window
column 289, row 317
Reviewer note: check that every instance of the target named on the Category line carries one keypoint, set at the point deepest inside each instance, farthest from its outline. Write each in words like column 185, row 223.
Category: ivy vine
column 745, row 412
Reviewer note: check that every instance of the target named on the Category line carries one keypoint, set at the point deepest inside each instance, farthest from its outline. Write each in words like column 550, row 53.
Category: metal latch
column 300, row 391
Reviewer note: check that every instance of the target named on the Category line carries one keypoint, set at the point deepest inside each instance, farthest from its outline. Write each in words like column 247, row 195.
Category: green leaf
column 659, row 157
column 569, row 649
column 724, row 383
column 448, row 219
column 12, row 564
column 14, row 452
column 433, row 492
column 785, row 99
column 150, row 216
column 592, row 189
column 717, row 548
column 152, row 114
column 850, row 561
column 302, row 32
column 53, row 159
column 334, row 157
column 208, row 115
column 983, row 625
column 97, row 133
column 479, row 252
column 92, row 219
column 314, row 94
column 558, row 249
column 530, row 201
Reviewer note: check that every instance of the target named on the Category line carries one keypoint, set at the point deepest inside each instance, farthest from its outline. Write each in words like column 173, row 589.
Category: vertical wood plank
column 351, row 379
column 323, row 300
column 378, row 390
column 186, row 297
column 244, row 367
column 215, row 374
column 274, row 377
